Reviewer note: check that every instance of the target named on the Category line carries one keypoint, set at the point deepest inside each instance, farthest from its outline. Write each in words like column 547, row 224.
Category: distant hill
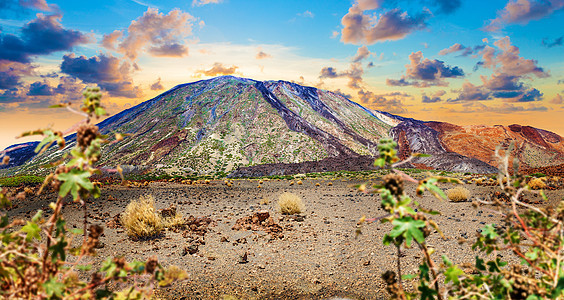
column 219, row 125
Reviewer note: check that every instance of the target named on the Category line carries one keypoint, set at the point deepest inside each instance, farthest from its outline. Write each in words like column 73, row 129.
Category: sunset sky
column 459, row 61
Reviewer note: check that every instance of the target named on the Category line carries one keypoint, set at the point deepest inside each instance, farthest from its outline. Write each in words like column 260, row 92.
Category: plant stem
column 399, row 268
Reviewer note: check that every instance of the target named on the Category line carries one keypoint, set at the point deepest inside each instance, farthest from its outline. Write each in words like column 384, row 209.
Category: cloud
column 70, row 88
column 50, row 75
column 509, row 61
column 354, row 74
column 466, row 51
column 157, row 86
column 218, row 69
column 435, row 97
column 361, row 54
column 470, row 92
column 39, row 88
column 557, row 99
column 204, row 2
column 39, row 5
column 557, row 42
column 43, row 35
column 426, row 72
column 447, row 6
column 387, row 102
column 523, row 11
column 509, row 69
column 109, row 40
column 42, row 93
column 107, row 71
column 359, row 28
column 159, row 34
column 504, row 108
column 169, row 50
column 307, row 14
column 11, row 73
column 262, row 55
column 502, row 81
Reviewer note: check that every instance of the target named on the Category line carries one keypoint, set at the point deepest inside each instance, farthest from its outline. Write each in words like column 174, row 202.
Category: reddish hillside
column 535, row 148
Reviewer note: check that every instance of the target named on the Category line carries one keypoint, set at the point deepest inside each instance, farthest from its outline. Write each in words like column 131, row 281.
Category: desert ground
column 314, row 255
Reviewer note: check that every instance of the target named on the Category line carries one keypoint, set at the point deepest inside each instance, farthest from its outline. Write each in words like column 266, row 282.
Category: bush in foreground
column 538, row 183
column 458, row 194
column 290, row 204
column 141, row 219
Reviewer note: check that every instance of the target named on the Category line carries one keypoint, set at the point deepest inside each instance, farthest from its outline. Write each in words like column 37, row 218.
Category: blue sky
column 458, row 61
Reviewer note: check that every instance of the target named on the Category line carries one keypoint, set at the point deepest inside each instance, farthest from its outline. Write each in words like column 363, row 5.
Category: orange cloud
column 159, row 34
column 218, row 69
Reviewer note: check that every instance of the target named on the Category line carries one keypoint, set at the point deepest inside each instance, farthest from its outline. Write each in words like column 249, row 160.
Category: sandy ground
column 317, row 257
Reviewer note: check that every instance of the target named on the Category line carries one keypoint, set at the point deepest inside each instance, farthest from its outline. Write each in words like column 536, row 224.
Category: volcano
column 237, row 125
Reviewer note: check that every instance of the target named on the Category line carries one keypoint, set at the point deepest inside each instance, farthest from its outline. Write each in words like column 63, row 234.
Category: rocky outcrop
column 416, row 137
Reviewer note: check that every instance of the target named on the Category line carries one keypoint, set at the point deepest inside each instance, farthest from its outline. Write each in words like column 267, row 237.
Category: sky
column 466, row 62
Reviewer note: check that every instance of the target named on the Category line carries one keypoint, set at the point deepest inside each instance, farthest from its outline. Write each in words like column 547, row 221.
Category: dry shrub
column 174, row 221
column 458, row 194
column 141, row 219
column 290, row 204
column 537, row 183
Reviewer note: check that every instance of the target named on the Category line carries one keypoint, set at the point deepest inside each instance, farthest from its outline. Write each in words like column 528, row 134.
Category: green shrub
column 21, row 180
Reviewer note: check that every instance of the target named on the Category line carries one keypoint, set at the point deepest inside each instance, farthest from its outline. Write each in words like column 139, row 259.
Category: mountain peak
column 219, row 125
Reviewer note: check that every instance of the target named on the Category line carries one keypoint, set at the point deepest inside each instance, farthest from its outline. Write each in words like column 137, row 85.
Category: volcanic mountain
column 228, row 124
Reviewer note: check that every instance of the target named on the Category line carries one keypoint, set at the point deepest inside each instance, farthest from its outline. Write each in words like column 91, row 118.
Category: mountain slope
column 533, row 147
column 224, row 124
column 217, row 125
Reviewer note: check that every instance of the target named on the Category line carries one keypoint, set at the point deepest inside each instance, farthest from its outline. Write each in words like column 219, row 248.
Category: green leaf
column 99, row 111
column 480, row 264
column 409, row 229
column 84, row 267
column 489, row 232
column 435, row 190
column 49, row 138
column 32, row 230
column 37, row 216
column 4, row 201
column 452, row 273
column 420, row 155
column 76, row 231
column 380, row 162
column 57, row 105
column 446, row 261
column 427, row 292
column 59, row 250
column 409, row 276
column 54, row 288
column 73, row 181
column 559, row 288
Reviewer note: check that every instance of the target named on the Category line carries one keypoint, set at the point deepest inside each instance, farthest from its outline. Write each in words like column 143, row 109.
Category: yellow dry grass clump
column 290, row 204
column 458, row 194
column 141, row 219
column 537, row 183
column 175, row 220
